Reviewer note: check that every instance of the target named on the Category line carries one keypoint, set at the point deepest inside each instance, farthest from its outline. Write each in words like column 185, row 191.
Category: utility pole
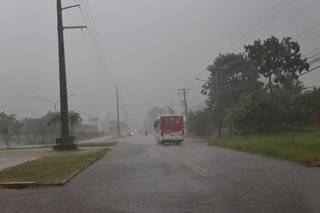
column 218, row 104
column 183, row 92
column 65, row 142
column 118, row 113
column 125, row 114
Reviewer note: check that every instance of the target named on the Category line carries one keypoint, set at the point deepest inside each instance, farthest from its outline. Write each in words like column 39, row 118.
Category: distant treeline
column 43, row 130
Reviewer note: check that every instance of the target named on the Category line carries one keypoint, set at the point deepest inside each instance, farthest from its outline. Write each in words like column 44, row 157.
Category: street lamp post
column 198, row 79
column 53, row 103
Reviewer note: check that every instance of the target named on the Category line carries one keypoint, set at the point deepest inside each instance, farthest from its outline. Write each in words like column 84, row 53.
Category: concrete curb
column 315, row 164
column 23, row 185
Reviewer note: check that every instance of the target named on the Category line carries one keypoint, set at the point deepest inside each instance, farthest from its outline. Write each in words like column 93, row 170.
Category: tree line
column 34, row 130
column 257, row 91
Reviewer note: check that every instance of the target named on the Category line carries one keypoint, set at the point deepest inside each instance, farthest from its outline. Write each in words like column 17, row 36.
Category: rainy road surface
column 141, row 176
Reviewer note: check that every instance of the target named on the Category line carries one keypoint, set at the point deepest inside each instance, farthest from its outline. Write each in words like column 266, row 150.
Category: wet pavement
column 141, row 176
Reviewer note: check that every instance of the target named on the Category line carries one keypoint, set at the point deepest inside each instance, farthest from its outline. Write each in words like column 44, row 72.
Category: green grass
column 53, row 169
column 301, row 147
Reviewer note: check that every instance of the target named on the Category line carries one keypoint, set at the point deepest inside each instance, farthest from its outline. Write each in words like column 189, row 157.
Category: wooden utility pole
column 118, row 113
column 65, row 142
column 183, row 92
column 218, row 104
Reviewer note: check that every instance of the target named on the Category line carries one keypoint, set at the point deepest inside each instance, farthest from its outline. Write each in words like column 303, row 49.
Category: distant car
column 129, row 134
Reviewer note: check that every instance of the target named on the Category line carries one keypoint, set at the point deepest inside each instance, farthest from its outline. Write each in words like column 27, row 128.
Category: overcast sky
column 152, row 47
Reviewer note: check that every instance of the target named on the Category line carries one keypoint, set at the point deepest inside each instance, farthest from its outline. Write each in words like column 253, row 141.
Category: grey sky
column 152, row 47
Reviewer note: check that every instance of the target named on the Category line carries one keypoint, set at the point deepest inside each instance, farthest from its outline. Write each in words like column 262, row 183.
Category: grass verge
column 299, row 147
column 52, row 170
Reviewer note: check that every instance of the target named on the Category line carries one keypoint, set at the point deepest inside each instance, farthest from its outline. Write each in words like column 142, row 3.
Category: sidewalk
column 9, row 161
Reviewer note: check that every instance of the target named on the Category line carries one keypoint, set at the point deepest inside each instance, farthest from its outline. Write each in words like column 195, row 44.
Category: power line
column 95, row 59
column 312, row 51
column 315, row 68
column 92, row 41
column 308, row 30
column 315, row 31
column 299, row 13
column 87, row 36
column 274, row 11
column 95, row 43
column 96, row 39
column 91, row 47
column 314, row 61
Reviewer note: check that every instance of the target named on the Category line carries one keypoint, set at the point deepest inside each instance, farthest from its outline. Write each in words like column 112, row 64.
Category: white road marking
column 196, row 168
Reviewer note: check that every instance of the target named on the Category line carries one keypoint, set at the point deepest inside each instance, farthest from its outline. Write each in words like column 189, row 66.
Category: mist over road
column 141, row 176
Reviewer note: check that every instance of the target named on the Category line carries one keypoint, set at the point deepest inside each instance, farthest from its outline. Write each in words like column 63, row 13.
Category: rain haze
column 152, row 48
column 159, row 106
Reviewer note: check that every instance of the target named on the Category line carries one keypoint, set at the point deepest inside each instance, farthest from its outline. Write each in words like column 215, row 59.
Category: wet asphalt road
column 141, row 176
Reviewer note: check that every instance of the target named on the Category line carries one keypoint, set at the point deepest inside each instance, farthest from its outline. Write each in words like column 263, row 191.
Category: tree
column 75, row 120
column 53, row 120
column 253, row 113
column 8, row 125
column 201, row 122
column 231, row 76
column 277, row 60
column 236, row 76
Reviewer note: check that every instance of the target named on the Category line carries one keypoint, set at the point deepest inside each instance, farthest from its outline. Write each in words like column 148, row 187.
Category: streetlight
column 54, row 103
column 198, row 79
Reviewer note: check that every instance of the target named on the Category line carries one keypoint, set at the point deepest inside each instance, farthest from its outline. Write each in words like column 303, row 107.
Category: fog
column 153, row 47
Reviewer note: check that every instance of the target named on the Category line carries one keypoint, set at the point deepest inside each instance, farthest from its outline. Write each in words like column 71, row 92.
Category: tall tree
column 277, row 60
column 231, row 75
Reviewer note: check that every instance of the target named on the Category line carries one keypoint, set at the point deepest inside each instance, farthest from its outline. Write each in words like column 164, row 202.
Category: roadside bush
column 201, row 122
column 253, row 113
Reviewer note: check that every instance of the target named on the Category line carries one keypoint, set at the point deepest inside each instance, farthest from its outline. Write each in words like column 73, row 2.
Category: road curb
column 23, row 185
column 315, row 164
